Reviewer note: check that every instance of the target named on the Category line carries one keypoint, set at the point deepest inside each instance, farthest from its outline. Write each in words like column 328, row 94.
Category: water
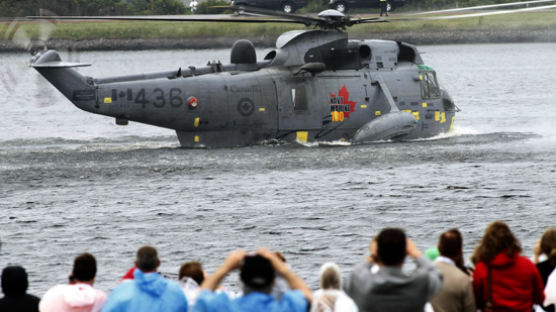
column 72, row 182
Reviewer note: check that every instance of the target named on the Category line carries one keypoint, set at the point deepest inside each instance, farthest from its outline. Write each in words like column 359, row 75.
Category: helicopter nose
column 447, row 101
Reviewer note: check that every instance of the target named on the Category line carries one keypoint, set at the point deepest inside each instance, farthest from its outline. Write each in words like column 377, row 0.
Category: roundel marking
column 245, row 107
column 193, row 102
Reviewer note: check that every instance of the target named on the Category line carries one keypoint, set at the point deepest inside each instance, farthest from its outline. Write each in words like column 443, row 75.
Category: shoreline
column 421, row 37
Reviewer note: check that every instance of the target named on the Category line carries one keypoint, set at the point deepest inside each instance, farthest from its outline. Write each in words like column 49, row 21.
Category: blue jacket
column 292, row 301
column 147, row 292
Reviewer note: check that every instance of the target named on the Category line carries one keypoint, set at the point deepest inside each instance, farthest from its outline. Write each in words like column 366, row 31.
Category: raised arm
column 294, row 281
column 233, row 262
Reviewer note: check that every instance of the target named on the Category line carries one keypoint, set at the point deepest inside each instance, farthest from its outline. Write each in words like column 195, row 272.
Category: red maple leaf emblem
column 343, row 96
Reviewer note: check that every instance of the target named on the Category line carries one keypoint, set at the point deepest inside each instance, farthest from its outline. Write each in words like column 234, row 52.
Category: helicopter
column 316, row 86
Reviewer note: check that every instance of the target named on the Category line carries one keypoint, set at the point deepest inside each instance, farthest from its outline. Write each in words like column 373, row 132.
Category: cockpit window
column 429, row 85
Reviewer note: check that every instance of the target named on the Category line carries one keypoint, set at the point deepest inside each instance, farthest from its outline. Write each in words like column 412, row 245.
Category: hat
column 257, row 272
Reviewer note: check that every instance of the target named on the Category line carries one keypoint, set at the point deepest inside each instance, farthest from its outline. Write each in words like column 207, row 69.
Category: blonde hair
column 330, row 276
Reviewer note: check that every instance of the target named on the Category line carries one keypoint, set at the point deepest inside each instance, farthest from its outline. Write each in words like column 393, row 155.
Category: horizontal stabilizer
column 51, row 59
column 59, row 65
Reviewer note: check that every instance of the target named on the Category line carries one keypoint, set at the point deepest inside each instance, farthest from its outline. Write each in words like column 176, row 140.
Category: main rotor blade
column 481, row 7
column 308, row 20
column 172, row 18
column 369, row 20
column 484, row 13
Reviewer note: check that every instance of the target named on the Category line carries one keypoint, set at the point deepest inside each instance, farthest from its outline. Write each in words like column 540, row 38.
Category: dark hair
column 497, row 238
column 84, row 267
column 257, row 272
column 548, row 245
column 147, row 258
column 450, row 243
column 14, row 281
column 391, row 246
column 194, row 270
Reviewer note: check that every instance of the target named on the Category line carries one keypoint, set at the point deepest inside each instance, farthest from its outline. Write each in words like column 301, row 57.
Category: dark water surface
column 72, row 182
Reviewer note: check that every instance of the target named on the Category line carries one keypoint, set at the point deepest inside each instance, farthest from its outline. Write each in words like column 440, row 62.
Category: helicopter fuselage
column 320, row 88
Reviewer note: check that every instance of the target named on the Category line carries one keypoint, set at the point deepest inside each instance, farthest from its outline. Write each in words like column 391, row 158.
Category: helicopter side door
column 299, row 103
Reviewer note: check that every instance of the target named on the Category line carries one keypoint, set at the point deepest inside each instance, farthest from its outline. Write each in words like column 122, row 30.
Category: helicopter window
column 299, row 99
column 429, row 86
column 271, row 55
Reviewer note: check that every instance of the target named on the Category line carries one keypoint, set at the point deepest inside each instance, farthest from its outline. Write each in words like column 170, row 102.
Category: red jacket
column 516, row 283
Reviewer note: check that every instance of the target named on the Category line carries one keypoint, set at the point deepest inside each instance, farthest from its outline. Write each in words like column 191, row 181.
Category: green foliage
column 166, row 7
column 207, row 7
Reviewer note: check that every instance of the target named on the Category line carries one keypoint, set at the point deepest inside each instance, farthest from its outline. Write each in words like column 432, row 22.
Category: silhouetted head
column 84, row 267
column 14, row 281
column 497, row 238
column 193, row 270
column 450, row 244
column 257, row 273
column 330, row 276
column 391, row 246
column 548, row 244
column 147, row 259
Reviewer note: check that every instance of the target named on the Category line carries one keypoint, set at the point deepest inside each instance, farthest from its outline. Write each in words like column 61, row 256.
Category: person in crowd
column 257, row 275
column 547, row 247
column 14, row 287
column 379, row 284
column 190, row 278
column 383, row 7
column 503, row 279
column 148, row 290
column 79, row 294
column 456, row 294
column 330, row 297
column 129, row 274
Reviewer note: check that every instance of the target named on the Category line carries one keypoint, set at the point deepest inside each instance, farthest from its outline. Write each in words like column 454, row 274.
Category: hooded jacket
column 516, row 283
column 14, row 287
column 146, row 292
column 388, row 288
column 72, row 298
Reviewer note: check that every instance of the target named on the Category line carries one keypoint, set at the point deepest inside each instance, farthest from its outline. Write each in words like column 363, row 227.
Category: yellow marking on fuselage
column 107, row 100
column 302, row 136
column 196, row 139
column 196, row 123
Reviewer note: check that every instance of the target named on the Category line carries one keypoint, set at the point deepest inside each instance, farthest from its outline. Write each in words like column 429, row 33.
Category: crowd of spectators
column 499, row 279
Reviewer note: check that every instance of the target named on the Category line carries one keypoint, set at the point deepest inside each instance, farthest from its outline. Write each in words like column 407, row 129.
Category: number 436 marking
column 158, row 97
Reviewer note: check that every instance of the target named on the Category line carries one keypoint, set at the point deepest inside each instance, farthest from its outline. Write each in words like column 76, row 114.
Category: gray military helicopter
column 317, row 85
